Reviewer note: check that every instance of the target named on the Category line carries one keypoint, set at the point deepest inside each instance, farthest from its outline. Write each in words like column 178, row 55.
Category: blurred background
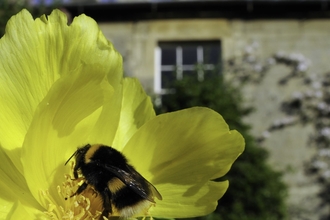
column 263, row 65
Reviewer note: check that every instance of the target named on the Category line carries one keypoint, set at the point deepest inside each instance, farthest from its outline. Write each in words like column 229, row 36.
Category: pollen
column 87, row 205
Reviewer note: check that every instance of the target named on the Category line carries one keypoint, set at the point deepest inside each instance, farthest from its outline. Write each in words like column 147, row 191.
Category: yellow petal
column 105, row 129
column 136, row 110
column 179, row 139
column 19, row 211
column 5, row 207
column 20, row 91
column 62, row 122
column 31, row 62
column 188, row 201
column 13, row 185
column 182, row 150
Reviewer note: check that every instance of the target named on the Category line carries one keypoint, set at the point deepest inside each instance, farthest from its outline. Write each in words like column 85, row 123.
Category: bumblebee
column 122, row 189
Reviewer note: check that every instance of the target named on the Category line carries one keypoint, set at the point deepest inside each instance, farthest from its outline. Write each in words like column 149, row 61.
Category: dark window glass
column 168, row 56
column 212, row 54
column 189, row 55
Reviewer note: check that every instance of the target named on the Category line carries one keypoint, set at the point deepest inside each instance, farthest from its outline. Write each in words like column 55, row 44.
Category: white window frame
column 179, row 68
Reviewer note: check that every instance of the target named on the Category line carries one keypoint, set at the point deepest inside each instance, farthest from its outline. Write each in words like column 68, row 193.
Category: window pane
column 189, row 52
column 168, row 56
column 168, row 78
column 212, row 54
column 189, row 55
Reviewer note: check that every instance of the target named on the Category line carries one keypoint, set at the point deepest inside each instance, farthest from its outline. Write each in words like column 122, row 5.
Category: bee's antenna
column 70, row 157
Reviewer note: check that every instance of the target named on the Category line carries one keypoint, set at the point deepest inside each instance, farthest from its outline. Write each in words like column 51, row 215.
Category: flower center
column 87, row 205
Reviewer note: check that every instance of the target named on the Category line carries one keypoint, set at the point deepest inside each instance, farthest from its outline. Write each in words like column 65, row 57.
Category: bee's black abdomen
column 126, row 197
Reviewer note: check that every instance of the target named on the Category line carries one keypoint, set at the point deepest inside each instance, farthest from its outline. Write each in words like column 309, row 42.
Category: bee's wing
column 153, row 189
column 136, row 182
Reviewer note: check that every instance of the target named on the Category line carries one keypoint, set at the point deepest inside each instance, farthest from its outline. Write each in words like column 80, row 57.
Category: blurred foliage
column 256, row 192
column 9, row 8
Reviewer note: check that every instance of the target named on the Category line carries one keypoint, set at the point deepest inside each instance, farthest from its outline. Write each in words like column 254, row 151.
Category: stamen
column 87, row 205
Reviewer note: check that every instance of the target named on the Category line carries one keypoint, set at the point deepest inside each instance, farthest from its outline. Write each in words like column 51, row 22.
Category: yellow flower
column 61, row 87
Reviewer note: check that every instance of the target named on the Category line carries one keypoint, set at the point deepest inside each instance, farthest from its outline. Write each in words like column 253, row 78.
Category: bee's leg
column 106, row 197
column 78, row 179
column 80, row 189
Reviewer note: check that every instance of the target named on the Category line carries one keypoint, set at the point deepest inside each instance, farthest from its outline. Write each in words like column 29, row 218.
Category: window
column 175, row 60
